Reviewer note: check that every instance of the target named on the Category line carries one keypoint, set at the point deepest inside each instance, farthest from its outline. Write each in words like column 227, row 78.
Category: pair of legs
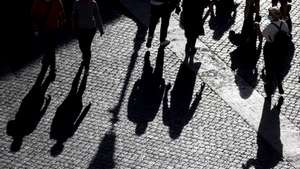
column 272, row 71
column 157, row 12
column 85, row 38
column 50, row 38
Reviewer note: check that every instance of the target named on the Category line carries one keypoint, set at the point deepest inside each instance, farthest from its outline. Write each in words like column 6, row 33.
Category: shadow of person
column 181, row 108
column 138, row 41
column 31, row 111
column 245, row 57
column 104, row 158
column 277, row 66
column 68, row 115
column 269, row 152
column 147, row 93
column 223, row 17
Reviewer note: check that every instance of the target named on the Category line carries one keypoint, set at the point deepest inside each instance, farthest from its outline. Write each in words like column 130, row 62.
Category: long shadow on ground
column 269, row 152
column 147, row 93
column 32, row 109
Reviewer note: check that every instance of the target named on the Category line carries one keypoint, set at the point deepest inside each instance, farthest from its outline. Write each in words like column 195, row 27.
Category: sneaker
column 164, row 43
column 149, row 41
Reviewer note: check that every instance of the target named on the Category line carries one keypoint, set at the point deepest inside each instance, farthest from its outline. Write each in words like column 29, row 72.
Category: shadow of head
column 17, row 137
column 57, row 149
column 16, row 144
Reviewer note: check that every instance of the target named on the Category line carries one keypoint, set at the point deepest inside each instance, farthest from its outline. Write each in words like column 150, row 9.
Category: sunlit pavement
column 221, row 133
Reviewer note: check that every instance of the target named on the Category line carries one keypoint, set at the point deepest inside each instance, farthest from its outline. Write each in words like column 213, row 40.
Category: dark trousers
column 50, row 38
column 85, row 41
column 157, row 12
column 273, row 69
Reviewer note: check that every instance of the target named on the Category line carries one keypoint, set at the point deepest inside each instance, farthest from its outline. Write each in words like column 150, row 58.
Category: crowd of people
column 48, row 18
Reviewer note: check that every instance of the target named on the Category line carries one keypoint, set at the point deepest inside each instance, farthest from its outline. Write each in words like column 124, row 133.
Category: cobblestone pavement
column 222, row 47
column 216, row 136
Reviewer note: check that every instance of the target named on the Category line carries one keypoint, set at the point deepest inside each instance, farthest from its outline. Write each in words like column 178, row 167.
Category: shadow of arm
column 44, row 109
column 81, row 117
column 196, row 100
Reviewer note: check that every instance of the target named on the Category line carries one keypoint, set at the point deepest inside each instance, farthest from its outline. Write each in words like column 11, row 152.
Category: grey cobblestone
column 223, row 47
column 216, row 137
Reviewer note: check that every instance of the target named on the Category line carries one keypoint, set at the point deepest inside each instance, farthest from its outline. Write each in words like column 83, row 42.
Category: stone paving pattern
column 223, row 47
column 216, row 137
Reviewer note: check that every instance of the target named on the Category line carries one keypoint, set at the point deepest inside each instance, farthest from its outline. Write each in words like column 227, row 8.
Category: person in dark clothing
column 285, row 7
column 192, row 21
column 245, row 57
column 47, row 20
column 86, row 18
column 161, row 9
column 275, row 56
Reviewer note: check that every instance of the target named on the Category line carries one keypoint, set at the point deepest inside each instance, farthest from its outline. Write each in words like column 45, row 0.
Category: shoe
column 149, row 41
column 52, row 74
column 281, row 91
column 164, row 43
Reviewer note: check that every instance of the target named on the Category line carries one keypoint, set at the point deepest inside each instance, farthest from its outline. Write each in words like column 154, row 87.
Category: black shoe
column 149, row 41
column 281, row 91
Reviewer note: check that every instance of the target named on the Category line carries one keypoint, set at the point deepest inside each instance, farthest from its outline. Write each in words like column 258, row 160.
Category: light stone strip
column 221, row 79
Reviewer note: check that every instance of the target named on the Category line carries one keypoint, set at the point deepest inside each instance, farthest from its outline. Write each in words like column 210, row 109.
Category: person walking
column 86, row 19
column 275, row 49
column 192, row 21
column 161, row 9
column 285, row 7
column 251, row 7
column 47, row 19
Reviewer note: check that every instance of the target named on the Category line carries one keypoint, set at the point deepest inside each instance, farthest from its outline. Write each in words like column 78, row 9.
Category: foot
column 52, row 74
column 281, row 91
column 149, row 41
column 164, row 43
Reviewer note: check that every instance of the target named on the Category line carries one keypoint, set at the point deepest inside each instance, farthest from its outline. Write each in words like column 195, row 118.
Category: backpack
column 281, row 39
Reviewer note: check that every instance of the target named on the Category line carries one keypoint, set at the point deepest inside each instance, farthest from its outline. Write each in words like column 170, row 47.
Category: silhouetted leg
column 76, row 81
column 153, row 22
column 269, row 74
column 164, row 26
column 85, row 40
column 166, row 107
column 50, row 51
column 41, row 75
column 83, row 84
column 279, row 78
column 190, row 47
column 90, row 38
column 158, row 71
